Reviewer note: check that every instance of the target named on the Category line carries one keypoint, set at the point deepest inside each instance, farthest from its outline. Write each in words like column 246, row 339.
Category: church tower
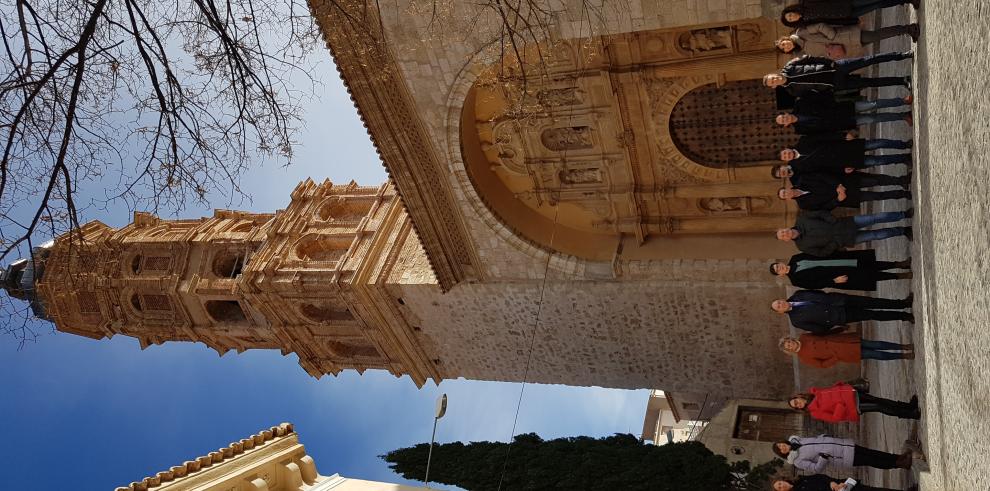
column 308, row 279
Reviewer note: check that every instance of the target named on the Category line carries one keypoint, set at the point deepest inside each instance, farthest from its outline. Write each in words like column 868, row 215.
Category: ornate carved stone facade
column 634, row 200
column 304, row 280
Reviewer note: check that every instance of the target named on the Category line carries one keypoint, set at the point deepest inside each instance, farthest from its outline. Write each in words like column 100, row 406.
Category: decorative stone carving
column 722, row 205
column 568, row 96
column 705, row 40
column 567, row 138
column 581, row 176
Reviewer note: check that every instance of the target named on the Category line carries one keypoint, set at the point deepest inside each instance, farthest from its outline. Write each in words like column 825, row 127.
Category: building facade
column 597, row 210
column 272, row 460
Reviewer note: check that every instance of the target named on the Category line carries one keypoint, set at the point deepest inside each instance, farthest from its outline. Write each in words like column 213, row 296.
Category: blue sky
column 101, row 414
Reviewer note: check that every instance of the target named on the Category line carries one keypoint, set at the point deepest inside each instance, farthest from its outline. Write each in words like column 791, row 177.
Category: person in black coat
column 844, row 270
column 822, row 234
column 832, row 153
column 818, row 312
column 820, row 115
column 810, row 75
column 834, row 12
column 821, row 482
column 850, row 177
column 818, row 191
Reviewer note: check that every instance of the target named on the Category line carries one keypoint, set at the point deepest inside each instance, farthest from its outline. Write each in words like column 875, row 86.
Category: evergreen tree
column 615, row 462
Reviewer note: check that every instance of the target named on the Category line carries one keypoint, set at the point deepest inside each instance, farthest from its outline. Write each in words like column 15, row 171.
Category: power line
column 532, row 344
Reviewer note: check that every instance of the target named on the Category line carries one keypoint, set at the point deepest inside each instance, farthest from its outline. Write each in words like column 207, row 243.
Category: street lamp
column 440, row 411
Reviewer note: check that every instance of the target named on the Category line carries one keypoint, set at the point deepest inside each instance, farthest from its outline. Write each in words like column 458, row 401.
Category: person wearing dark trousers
column 813, row 124
column 831, row 153
column 837, row 42
column 842, row 403
column 885, row 350
column 827, row 350
column 827, row 192
column 822, row 234
column 844, row 270
column 860, row 180
column 817, row 115
column 818, row 312
column 815, row 453
column 834, row 12
column 814, row 75
column 821, row 482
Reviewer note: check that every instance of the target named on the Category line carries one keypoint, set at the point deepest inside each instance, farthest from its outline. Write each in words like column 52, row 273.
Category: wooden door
column 767, row 424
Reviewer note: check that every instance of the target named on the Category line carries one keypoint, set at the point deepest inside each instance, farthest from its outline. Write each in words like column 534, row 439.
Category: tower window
column 324, row 249
column 225, row 311
column 318, row 314
column 159, row 303
column 87, row 303
column 141, row 264
column 136, row 302
column 340, row 210
column 228, row 264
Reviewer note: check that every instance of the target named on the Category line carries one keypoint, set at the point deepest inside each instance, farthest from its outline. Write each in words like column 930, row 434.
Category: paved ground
column 950, row 250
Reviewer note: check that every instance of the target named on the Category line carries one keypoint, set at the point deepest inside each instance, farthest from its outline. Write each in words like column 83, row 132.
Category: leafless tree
column 158, row 101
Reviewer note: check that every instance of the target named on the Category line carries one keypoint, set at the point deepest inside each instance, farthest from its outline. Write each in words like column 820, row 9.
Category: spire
column 18, row 279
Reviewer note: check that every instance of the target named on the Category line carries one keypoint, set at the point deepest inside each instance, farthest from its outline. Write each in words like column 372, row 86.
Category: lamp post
column 441, row 409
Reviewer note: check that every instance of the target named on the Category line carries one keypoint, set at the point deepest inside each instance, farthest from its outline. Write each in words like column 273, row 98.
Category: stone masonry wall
column 685, row 332
column 707, row 337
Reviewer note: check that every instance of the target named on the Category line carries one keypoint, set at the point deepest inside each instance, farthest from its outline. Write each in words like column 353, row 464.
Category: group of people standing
column 827, row 170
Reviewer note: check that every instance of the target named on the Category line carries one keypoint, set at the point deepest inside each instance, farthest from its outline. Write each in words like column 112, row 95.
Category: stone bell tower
column 309, row 279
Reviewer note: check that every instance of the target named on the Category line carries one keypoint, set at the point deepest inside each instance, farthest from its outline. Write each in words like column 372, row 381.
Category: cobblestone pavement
column 952, row 240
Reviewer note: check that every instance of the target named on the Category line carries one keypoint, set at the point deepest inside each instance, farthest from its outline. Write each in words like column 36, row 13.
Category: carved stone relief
column 581, row 176
column 567, row 96
column 567, row 138
column 705, row 40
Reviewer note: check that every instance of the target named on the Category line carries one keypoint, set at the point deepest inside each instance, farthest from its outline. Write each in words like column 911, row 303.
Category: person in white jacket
column 837, row 42
column 814, row 454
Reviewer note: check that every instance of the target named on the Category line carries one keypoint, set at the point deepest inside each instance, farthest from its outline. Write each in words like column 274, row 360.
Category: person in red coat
column 842, row 402
column 826, row 350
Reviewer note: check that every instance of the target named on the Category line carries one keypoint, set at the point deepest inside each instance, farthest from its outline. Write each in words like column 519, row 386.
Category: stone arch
column 339, row 209
column 625, row 254
column 728, row 125
column 464, row 81
column 322, row 248
column 225, row 311
column 149, row 263
column 319, row 314
column 352, row 349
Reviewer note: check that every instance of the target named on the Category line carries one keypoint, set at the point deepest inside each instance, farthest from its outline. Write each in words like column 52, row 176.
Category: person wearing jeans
column 863, row 7
column 819, row 191
column 885, row 350
column 833, row 154
column 814, row 115
column 828, row 350
column 863, row 221
column 822, row 234
column 882, row 143
column 810, row 75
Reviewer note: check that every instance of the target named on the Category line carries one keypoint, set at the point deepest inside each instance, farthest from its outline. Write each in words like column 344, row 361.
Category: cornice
column 190, row 468
column 354, row 35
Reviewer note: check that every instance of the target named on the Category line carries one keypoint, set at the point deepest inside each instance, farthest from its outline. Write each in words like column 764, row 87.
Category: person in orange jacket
column 824, row 351
column 842, row 402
